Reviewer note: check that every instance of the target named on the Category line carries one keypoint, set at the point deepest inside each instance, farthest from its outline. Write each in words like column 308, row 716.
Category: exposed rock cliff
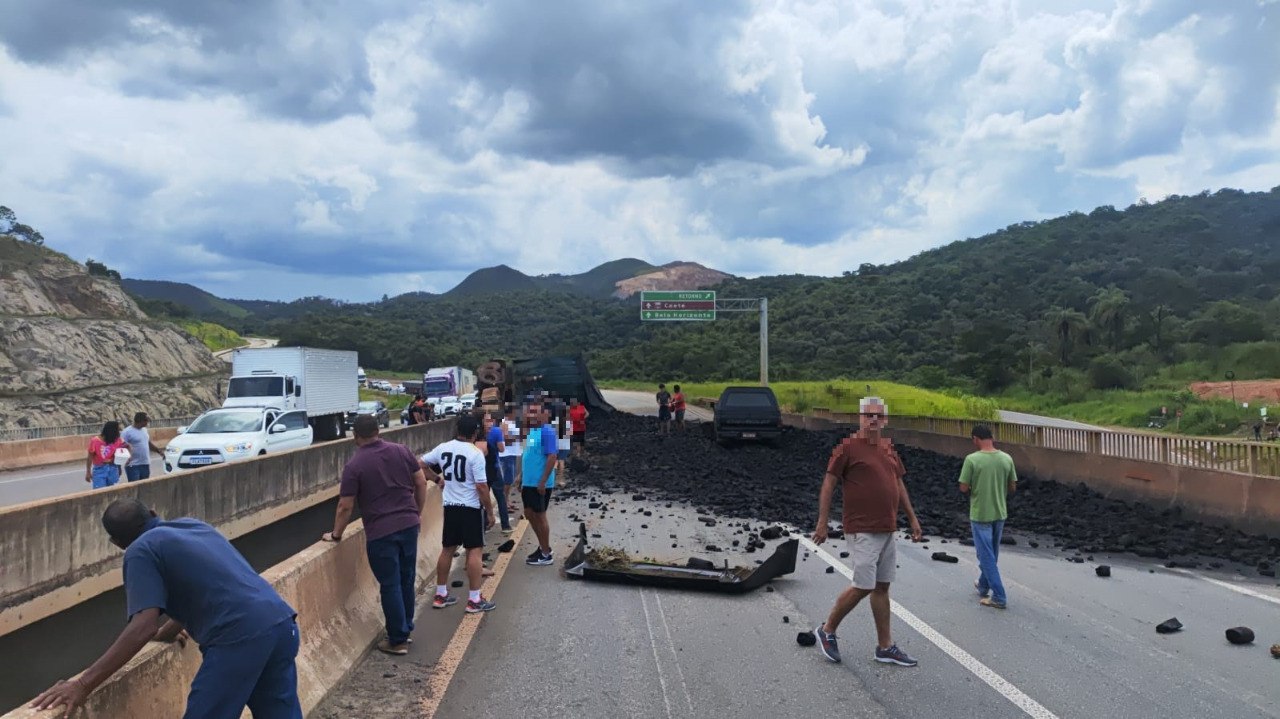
column 76, row 349
column 673, row 276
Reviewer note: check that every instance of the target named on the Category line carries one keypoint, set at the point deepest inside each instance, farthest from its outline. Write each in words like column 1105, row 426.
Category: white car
column 234, row 434
column 447, row 405
column 468, row 401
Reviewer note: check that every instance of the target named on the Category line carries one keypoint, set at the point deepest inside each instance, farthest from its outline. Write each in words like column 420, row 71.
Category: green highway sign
column 696, row 305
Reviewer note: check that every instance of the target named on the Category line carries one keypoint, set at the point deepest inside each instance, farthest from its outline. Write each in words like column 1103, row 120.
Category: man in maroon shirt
column 391, row 489
column 870, row 475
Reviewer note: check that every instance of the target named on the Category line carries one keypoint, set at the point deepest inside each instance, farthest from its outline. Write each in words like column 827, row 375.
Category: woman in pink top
column 101, row 468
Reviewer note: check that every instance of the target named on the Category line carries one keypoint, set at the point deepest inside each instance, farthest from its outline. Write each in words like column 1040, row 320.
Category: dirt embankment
column 1253, row 391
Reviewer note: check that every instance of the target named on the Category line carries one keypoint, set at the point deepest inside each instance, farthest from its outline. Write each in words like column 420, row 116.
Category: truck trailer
column 297, row 378
column 447, row 382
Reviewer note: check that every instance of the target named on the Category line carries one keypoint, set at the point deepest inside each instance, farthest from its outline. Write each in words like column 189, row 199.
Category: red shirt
column 104, row 453
column 578, row 418
column 677, row 402
column 869, row 482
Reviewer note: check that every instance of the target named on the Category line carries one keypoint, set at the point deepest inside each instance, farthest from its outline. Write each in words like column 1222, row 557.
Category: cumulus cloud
column 278, row 149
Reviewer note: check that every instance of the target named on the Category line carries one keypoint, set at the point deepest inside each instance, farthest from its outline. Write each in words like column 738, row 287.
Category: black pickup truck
column 747, row 413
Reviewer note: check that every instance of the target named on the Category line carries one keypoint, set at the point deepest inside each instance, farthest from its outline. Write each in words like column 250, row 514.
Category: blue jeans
column 105, row 475
column 986, row 540
column 507, row 467
column 394, row 561
column 260, row 673
column 135, row 472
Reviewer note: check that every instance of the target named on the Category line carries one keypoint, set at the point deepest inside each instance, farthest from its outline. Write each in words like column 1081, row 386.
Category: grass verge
column 215, row 337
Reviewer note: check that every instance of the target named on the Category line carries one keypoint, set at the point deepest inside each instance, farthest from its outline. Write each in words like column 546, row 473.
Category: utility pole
column 760, row 304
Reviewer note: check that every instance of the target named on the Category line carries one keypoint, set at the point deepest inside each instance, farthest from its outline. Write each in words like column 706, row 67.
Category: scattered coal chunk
column 1169, row 626
column 696, row 563
column 1102, row 570
column 807, row 639
column 831, row 570
column 1240, row 635
column 637, row 497
column 578, row 464
column 713, row 548
column 1033, row 545
column 1009, row 541
column 768, row 588
column 771, row 533
column 944, row 557
column 456, row 583
column 844, row 555
column 786, row 619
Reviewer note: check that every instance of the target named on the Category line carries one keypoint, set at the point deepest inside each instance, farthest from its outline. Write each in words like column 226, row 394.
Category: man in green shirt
column 988, row 476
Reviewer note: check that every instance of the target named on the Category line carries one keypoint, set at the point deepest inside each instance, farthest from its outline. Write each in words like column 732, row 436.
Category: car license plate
column 748, row 435
column 199, row 460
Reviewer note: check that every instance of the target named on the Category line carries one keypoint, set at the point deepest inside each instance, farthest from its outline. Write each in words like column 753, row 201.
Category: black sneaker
column 827, row 643
column 537, row 552
column 894, row 655
column 541, row 560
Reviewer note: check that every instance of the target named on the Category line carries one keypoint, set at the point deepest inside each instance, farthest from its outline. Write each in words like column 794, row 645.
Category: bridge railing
column 71, row 430
column 1229, row 455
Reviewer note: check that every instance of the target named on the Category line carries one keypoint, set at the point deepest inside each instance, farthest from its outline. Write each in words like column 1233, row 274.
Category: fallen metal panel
column 727, row 580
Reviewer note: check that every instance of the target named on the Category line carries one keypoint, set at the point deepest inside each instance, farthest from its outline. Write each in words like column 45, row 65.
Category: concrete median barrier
column 56, row 554
column 21, row 454
column 339, row 620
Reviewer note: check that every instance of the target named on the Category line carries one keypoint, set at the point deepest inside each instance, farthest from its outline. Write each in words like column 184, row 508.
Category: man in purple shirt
column 385, row 480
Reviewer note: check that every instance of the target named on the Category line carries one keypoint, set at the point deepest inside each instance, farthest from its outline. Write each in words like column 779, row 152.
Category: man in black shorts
column 536, row 474
column 460, row 468
column 664, row 409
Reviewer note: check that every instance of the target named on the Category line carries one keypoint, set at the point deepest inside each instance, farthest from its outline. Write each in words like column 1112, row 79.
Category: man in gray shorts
column 870, row 475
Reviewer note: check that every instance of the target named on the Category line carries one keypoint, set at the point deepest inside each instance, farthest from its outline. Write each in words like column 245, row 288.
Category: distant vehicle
column 447, row 405
column 233, row 434
column 375, row 408
column 396, row 389
column 747, row 413
column 447, row 382
column 317, row 381
column 468, row 401
column 361, row 377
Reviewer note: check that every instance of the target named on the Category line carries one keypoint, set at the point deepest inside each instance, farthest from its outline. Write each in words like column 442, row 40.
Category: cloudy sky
column 281, row 148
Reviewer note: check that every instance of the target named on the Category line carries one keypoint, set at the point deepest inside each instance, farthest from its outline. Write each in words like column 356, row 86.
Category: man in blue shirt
column 536, row 473
column 186, row 570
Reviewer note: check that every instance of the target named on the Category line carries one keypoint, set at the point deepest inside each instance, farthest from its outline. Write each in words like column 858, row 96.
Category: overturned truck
column 500, row 382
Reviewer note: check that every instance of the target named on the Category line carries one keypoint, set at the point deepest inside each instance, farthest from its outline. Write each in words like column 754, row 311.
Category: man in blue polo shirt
column 185, row 570
column 536, row 472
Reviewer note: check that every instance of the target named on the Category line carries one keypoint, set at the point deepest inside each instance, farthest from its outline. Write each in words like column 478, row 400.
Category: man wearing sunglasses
column 870, row 473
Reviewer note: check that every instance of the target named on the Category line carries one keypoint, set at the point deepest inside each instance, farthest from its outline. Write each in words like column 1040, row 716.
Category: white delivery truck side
column 297, row 378
column 448, row 382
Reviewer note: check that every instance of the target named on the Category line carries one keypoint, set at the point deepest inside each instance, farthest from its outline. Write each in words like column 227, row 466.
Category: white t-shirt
column 511, row 431
column 462, row 466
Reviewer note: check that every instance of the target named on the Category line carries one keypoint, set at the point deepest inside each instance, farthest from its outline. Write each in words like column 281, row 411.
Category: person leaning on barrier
column 185, row 570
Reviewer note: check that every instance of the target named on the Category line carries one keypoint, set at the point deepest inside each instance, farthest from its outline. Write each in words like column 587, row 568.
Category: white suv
column 234, row 434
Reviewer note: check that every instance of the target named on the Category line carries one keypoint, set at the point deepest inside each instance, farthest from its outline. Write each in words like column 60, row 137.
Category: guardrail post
column 1164, row 450
column 1095, row 442
column 1253, row 459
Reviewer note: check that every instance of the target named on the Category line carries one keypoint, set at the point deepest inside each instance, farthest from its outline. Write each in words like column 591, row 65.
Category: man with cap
column 187, row 571
column 870, row 475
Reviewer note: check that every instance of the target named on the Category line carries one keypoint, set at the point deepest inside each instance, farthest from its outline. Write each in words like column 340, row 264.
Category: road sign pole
column 764, row 341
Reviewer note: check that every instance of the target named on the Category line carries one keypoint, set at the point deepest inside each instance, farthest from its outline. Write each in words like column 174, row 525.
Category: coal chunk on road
column 1169, row 626
column 456, row 583
column 944, row 557
column 696, row 563
column 1240, row 635
column 771, row 533
column 844, row 555
column 831, row 570
column 1102, row 571
column 806, row 639
column 786, row 619
column 1009, row 541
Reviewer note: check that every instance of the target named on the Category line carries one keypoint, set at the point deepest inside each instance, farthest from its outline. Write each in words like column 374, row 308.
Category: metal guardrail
column 1229, row 455
column 72, row 430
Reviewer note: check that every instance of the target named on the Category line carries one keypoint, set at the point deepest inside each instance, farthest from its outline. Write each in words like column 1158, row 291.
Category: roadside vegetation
column 215, row 337
column 394, row 402
column 843, row 396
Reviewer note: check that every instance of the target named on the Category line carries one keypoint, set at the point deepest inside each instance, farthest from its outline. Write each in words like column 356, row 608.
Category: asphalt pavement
column 1071, row 644
column 51, row 480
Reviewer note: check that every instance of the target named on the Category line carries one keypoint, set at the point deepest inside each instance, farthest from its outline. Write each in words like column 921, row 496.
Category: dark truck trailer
column 499, row 381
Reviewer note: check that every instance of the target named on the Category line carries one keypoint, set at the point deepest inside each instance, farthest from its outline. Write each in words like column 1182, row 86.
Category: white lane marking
column 653, row 644
column 662, row 614
column 965, row 659
column 68, row 473
column 1228, row 585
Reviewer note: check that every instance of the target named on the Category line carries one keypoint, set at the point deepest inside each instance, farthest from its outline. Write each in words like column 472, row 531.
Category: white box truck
column 317, row 381
column 447, row 382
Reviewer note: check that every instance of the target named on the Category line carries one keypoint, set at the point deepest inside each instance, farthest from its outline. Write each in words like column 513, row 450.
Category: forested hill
column 1118, row 294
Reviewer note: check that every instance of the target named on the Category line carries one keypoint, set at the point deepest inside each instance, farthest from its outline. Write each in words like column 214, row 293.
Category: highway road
column 51, row 480
column 1070, row 644
column 253, row 343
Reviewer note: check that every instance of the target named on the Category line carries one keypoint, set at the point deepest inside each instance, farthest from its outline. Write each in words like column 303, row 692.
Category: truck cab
column 232, row 434
column 747, row 413
column 263, row 389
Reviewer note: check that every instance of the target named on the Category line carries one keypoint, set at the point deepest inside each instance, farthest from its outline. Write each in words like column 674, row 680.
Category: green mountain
column 180, row 293
column 492, row 280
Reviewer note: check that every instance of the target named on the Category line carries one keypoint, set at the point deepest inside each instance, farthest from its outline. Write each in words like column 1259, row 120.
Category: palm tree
column 1067, row 325
column 1110, row 311
column 1159, row 315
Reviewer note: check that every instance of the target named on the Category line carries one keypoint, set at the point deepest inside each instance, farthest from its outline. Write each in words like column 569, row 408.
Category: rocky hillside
column 673, row 276
column 76, row 349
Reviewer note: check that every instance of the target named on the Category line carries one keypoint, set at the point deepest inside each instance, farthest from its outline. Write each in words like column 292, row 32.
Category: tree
column 9, row 225
column 1159, row 318
column 1068, row 325
column 1109, row 309
column 97, row 269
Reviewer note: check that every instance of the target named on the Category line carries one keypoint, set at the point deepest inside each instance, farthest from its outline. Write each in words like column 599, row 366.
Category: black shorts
column 533, row 501
column 463, row 527
column 579, row 438
column 664, row 414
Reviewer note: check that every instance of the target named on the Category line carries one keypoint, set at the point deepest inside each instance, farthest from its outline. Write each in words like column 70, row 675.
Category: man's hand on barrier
column 69, row 693
column 330, row 537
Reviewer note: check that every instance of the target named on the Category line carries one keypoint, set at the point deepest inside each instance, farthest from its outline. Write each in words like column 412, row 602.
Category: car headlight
column 169, row 449
column 238, row 447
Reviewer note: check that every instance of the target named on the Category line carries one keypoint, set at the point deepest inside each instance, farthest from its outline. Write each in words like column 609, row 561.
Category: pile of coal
column 780, row 484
